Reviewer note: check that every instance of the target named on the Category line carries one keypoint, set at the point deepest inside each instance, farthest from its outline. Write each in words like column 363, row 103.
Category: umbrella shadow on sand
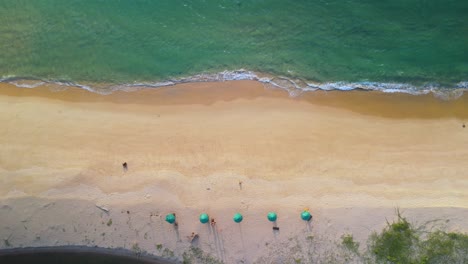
column 218, row 241
column 176, row 230
column 276, row 229
column 244, row 253
column 242, row 237
column 309, row 224
column 171, row 219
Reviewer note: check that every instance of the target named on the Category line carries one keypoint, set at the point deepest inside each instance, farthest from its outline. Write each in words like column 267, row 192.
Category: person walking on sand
column 125, row 166
column 213, row 222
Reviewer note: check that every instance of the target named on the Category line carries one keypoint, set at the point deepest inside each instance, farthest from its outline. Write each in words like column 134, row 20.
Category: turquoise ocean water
column 342, row 44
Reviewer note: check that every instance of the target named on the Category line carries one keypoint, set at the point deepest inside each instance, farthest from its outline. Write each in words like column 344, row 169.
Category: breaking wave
column 295, row 87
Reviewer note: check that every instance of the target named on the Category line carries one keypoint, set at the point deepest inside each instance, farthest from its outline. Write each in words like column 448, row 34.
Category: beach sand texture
column 188, row 146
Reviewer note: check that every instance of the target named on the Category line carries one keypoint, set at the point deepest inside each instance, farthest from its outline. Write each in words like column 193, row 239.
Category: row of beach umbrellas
column 271, row 216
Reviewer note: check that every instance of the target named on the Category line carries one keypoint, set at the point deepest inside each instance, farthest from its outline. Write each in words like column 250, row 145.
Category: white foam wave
column 71, row 84
column 28, row 85
column 295, row 87
column 462, row 85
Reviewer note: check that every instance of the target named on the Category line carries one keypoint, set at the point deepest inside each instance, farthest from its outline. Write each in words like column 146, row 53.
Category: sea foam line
column 295, row 87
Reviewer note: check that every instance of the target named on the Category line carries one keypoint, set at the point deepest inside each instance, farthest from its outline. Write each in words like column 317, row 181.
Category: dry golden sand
column 321, row 144
column 188, row 146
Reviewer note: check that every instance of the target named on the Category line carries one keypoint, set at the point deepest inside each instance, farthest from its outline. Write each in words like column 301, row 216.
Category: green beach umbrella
column 306, row 216
column 204, row 218
column 170, row 218
column 272, row 216
column 238, row 218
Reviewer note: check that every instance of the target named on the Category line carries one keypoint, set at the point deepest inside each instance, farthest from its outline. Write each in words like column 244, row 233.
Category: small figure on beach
column 463, row 125
column 240, row 185
column 125, row 166
column 275, row 228
column 213, row 222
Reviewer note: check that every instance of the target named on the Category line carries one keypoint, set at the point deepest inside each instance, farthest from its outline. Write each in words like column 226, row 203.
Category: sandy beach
column 222, row 148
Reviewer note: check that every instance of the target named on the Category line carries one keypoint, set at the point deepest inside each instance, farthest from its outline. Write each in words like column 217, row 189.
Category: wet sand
column 188, row 146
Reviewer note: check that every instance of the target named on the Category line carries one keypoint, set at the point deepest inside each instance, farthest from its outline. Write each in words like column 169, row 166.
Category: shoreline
column 294, row 85
column 377, row 103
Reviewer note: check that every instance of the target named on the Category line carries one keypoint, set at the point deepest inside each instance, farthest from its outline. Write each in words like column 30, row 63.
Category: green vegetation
column 167, row 253
column 164, row 252
column 136, row 249
column 396, row 243
column 349, row 243
column 441, row 247
column 7, row 243
column 401, row 242
column 195, row 255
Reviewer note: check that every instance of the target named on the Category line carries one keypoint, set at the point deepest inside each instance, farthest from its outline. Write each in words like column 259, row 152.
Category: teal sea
column 322, row 44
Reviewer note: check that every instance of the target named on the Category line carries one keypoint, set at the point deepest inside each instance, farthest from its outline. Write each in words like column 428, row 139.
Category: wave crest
column 295, row 87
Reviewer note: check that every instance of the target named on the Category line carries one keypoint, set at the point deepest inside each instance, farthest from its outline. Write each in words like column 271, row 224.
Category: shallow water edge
column 293, row 86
